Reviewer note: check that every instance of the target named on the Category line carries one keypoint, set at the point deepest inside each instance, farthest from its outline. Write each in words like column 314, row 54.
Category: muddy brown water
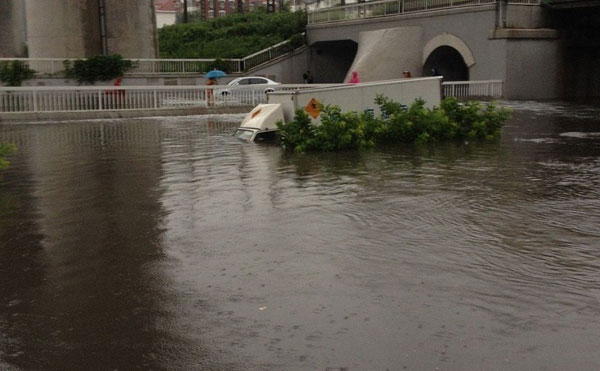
column 166, row 244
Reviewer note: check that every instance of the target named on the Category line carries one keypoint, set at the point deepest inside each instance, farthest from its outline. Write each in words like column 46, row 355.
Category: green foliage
column 5, row 150
column 297, row 40
column 97, row 68
column 397, row 124
column 297, row 135
column 337, row 131
column 233, row 36
column 13, row 73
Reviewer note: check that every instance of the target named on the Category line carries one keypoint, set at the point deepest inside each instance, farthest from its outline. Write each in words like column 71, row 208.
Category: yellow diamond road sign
column 313, row 108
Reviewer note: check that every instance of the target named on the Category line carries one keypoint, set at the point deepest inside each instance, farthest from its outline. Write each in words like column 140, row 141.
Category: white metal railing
column 110, row 98
column 474, row 89
column 55, row 66
column 157, row 66
column 394, row 7
column 267, row 54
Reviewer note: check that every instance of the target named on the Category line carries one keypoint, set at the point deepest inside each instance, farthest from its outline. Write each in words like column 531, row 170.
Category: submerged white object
column 260, row 123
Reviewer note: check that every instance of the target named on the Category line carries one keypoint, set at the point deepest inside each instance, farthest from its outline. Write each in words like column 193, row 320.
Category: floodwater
column 166, row 244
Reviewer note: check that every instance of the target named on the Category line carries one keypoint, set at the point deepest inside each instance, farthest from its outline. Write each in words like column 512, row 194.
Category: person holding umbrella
column 212, row 77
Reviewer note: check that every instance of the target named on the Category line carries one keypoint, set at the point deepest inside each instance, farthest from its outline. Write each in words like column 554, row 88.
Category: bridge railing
column 180, row 66
column 55, row 66
column 110, row 98
column 268, row 54
column 105, row 98
column 394, row 7
column 484, row 89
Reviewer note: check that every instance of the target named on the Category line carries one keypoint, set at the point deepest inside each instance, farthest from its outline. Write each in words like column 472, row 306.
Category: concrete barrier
column 359, row 97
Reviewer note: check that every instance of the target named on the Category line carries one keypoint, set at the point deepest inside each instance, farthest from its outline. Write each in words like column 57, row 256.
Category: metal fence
column 394, row 7
column 268, row 54
column 486, row 89
column 110, row 98
column 55, row 66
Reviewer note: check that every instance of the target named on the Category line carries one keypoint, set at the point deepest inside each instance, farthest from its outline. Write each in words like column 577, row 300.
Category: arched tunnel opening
column 448, row 62
column 331, row 60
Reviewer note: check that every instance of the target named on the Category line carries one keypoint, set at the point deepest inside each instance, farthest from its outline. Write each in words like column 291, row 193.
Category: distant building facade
column 167, row 10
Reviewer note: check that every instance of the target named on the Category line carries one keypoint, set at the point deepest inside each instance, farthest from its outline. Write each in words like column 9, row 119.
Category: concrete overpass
column 77, row 28
column 483, row 40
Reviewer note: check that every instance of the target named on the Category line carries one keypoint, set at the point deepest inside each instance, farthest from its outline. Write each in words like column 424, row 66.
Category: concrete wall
column 360, row 97
column 131, row 28
column 287, row 70
column 385, row 54
column 12, row 29
column 534, row 69
column 526, row 16
column 471, row 27
column 62, row 28
column 528, row 58
column 71, row 28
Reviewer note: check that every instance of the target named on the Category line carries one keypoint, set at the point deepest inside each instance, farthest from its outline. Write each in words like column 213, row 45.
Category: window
column 232, row 5
column 211, row 4
column 257, row 81
column 251, row 6
column 222, row 4
column 221, row 13
column 211, row 14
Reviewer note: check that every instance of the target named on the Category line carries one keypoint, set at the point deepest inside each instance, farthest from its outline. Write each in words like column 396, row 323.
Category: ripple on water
column 508, row 229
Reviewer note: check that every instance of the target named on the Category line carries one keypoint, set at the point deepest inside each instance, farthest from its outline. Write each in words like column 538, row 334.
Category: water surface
column 166, row 244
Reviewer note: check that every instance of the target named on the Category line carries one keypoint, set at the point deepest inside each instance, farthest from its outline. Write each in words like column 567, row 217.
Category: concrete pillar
column 131, row 28
column 62, row 28
column 12, row 29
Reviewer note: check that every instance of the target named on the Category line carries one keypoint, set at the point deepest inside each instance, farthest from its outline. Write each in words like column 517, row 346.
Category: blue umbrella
column 215, row 74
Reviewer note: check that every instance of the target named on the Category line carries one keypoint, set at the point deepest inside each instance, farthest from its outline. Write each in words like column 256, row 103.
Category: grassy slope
column 232, row 36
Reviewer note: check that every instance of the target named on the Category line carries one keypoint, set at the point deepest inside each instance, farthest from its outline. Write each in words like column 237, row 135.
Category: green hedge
column 233, row 36
column 397, row 124
column 97, row 68
column 13, row 73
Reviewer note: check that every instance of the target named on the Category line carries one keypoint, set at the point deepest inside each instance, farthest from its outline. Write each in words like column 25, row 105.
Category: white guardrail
column 395, row 7
column 110, row 98
column 484, row 89
column 55, row 66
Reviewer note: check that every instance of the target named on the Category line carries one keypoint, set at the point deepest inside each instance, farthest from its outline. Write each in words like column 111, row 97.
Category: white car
column 246, row 81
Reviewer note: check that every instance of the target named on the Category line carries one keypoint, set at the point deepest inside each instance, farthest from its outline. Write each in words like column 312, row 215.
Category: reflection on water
column 167, row 244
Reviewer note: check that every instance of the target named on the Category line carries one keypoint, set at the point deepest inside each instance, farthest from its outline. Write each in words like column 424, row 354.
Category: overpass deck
column 387, row 8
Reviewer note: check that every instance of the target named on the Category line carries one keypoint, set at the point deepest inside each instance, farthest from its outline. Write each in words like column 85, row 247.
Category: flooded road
column 166, row 244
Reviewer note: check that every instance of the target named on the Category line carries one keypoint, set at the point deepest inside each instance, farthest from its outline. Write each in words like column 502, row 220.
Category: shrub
column 232, row 36
column 297, row 40
column 13, row 73
column 97, row 68
column 397, row 124
column 5, row 150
